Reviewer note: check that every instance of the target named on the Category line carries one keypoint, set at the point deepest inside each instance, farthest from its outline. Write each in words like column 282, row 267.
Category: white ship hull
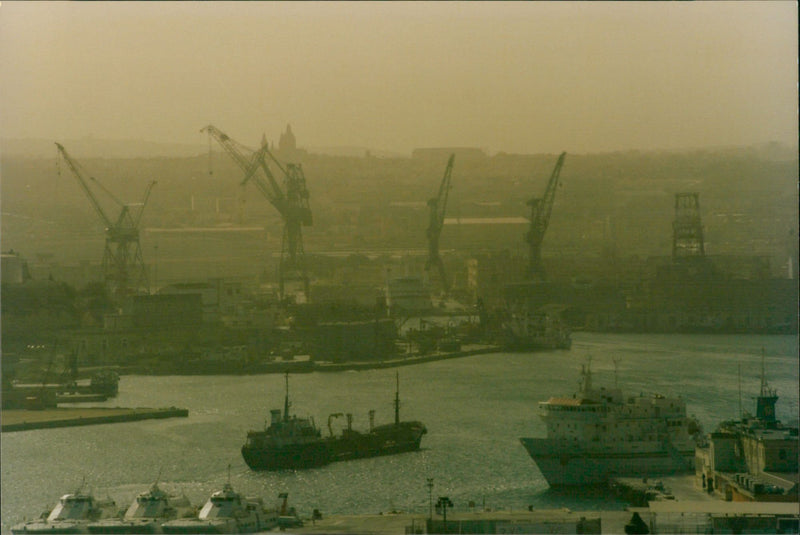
column 562, row 467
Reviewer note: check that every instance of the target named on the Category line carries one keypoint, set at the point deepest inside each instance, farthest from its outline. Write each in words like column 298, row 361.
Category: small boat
column 148, row 511
column 226, row 511
column 72, row 514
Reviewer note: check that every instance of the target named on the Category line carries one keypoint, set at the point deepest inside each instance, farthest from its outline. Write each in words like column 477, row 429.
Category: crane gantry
column 540, row 218
column 124, row 271
column 437, row 206
column 290, row 202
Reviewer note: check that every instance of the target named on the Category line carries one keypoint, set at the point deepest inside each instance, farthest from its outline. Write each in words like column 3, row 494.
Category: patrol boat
column 148, row 511
column 226, row 511
column 598, row 434
column 72, row 514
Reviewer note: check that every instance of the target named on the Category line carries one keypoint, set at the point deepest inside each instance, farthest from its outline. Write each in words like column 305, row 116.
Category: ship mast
column 397, row 400
column 286, row 401
column 765, row 404
column 586, row 372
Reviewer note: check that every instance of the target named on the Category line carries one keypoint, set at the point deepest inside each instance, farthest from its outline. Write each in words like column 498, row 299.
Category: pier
column 27, row 420
column 466, row 351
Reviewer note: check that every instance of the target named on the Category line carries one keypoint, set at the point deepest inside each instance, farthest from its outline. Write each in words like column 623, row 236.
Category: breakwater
column 404, row 361
column 26, row 420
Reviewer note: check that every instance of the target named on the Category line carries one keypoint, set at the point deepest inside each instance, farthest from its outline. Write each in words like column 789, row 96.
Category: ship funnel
column 275, row 415
column 371, row 419
column 349, row 421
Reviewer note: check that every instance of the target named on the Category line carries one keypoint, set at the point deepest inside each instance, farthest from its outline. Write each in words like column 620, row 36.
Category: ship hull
column 562, row 467
column 123, row 526
column 50, row 527
column 383, row 440
column 287, row 458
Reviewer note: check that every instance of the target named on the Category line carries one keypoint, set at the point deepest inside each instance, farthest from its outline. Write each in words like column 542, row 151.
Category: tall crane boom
column 437, row 206
column 540, row 218
column 291, row 202
column 73, row 166
column 123, row 266
column 249, row 161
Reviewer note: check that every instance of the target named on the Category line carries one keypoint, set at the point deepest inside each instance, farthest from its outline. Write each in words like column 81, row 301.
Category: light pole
column 443, row 503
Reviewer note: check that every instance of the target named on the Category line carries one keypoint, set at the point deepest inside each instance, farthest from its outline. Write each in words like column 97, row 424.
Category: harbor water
column 475, row 409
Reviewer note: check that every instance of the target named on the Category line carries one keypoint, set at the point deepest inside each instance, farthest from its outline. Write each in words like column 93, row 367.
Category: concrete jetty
column 538, row 521
column 26, row 420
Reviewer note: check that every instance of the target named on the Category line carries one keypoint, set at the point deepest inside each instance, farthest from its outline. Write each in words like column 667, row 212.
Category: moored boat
column 540, row 330
column 226, row 511
column 72, row 514
column 148, row 511
column 598, row 434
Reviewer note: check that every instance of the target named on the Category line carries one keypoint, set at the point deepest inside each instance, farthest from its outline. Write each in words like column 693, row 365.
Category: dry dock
column 25, row 420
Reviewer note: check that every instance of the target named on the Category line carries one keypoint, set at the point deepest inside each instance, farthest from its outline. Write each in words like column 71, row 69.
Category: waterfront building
column 751, row 459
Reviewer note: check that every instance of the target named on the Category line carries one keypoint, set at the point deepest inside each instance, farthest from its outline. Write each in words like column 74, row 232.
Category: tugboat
column 292, row 443
column 226, row 511
column 72, row 515
column 598, row 434
column 148, row 511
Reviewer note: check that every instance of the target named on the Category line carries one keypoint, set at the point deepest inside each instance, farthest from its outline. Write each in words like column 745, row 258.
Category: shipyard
column 379, row 269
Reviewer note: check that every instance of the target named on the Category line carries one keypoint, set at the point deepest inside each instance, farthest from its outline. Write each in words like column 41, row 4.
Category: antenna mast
column 741, row 414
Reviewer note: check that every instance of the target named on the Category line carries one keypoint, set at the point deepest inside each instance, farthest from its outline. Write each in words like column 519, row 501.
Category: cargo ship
column 598, row 434
column 294, row 443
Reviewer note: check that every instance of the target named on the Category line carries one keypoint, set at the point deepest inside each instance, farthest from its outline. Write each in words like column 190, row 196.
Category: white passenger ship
column 599, row 434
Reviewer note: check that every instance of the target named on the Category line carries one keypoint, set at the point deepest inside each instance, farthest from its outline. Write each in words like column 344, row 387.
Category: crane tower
column 123, row 267
column 291, row 201
column 541, row 207
column 687, row 228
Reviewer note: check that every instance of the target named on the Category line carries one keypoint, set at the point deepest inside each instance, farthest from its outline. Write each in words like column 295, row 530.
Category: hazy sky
column 519, row 76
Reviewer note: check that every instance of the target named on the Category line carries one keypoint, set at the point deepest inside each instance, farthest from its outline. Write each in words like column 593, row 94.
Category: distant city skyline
column 524, row 77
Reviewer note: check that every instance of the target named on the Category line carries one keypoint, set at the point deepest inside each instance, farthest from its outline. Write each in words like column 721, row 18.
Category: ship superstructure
column 148, row 511
column 599, row 433
column 72, row 514
column 288, row 442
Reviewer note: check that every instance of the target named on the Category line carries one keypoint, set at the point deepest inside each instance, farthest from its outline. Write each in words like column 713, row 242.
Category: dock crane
column 437, row 206
column 291, row 202
column 540, row 217
column 123, row 267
